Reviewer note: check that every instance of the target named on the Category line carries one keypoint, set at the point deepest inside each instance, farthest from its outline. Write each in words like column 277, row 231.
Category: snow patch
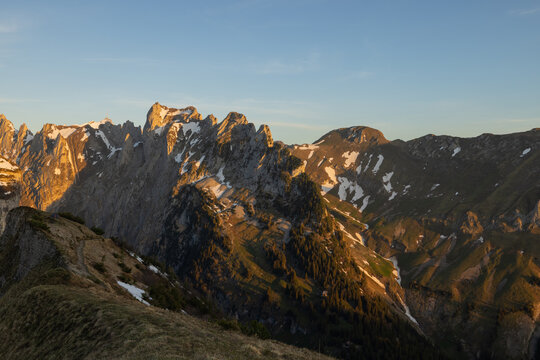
column 6, row 165
column 28, row 138
column 380, row 159
column 220, row 175
column 159, row 130
column 156, row 270
column 191, row 126
column 178, row 157
column 308, row 147
column 347, row 186
column 111, row 148
column 350, row 158
column 387, row 176
column 134, row 291
column 96, row 124
column 331, row 174
column 407, row 311
column 326, row 187
column 369, row 162
column 525, row 152
column 365, row 203
column 65, row 132
column 104, row 138
column 163, row 112
column 181, row 112
column 394, row 261
column 113, row 151
column 456, row 151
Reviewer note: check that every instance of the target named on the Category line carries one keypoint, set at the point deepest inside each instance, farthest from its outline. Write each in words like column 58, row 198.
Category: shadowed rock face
column 122, row 179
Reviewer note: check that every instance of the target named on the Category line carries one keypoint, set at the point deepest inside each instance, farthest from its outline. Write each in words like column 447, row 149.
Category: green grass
column 381, row 266
column 66, row 322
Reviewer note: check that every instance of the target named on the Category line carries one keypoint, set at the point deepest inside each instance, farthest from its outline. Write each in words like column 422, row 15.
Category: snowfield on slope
column 350, row 158
column 6, row 165
column 380, row 159
column 134, row 291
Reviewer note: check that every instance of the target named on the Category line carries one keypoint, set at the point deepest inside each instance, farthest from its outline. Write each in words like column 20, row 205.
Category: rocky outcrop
column 355, row 135
column 28, row 245
column 534, row 219
column 159, row 116
column 10, row 189
column 122, row 179
column 471, row 225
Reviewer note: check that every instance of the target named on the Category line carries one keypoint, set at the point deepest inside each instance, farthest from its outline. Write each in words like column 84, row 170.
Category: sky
column 304, row 67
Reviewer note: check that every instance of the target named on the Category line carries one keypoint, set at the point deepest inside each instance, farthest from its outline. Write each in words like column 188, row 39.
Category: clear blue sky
column 304, row 67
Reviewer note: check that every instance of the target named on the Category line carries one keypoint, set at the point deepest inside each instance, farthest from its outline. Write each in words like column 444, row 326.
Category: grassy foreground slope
column 60, row 299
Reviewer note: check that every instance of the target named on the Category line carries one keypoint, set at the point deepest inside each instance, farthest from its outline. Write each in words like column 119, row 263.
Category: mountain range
column 354, row 246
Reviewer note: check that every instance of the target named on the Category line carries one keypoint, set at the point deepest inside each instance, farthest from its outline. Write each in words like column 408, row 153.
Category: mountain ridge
column 424, row 220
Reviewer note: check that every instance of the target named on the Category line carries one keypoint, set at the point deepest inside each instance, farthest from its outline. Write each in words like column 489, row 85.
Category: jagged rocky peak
column 23, row 131
column 7, row 132
column 53, row 130
column 211, row 119
column 160, row 115
column 233, row 119
column 355, row 134
column 264, row 135
column 5, row 123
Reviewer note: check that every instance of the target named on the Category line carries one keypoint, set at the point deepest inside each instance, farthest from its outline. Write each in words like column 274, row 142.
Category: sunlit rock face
column 122, row 177
column 10, row 189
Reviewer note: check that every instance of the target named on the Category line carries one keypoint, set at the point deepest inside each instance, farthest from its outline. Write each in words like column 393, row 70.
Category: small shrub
column 116, row 256
column 70, row 216
column 255, row 328
column 56, row 276
column 124, row 278
column 37, row 222
column 166, row 296
column 227, row 324
column 97, row 230
column 99, row 266
column 124, row 267
column 95, row 280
